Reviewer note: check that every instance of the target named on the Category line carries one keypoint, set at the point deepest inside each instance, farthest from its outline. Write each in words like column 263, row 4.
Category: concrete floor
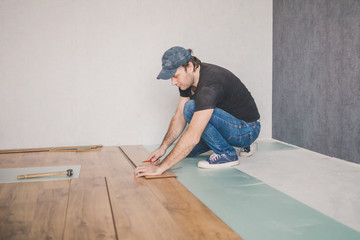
column 329, row 185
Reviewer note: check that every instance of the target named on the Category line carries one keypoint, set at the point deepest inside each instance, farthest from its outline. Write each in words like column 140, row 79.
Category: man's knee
column 189, row 109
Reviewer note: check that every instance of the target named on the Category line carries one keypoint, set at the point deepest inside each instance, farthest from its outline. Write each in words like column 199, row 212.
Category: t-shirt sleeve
column 208, row 97
column 185, row 93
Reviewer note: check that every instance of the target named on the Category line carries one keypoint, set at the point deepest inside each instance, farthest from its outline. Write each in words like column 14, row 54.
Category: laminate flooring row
column 105, row 202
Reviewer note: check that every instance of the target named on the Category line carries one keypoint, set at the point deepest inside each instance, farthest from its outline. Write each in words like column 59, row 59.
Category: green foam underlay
column 253, row 209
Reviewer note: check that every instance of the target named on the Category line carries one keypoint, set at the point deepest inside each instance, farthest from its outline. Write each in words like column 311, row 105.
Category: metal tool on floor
column 68, row 172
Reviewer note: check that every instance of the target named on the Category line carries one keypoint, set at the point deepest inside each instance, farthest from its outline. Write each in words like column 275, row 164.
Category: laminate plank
column 122, row 207
column 34, row 210
column 195, row 218
column 10, row 160
column 93, row 164
column 139, row 215
column 137, row 154
column 39, row 159
column 115, row 164
column 89, row 214
column 164, row 199
column 137, row 212
column 54, row 149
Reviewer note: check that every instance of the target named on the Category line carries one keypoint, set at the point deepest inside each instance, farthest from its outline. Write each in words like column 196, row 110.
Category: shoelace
column 214, row 157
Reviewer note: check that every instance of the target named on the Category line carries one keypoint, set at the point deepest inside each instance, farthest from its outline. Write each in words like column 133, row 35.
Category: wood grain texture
column 34, row 210
column 137, row 211
column 92, row 164
column 89, row 215
column 90, row 207
column 170, row 200
column 195, row 218
column 40, row 159
column 54, row 149
column 137, row 154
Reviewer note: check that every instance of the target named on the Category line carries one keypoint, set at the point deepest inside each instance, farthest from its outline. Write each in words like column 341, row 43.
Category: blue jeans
column 222, row 132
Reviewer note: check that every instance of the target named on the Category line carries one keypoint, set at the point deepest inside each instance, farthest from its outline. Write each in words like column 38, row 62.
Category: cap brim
column 166, row 74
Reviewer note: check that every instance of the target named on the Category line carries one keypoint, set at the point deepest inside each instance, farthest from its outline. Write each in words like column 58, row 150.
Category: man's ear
column 190, row 67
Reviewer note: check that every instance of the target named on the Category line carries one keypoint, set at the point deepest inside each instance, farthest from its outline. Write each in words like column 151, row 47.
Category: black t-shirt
column 220, row 88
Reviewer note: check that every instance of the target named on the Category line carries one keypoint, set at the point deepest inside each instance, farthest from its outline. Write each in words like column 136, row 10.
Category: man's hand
column 155, row 156
column 188, row 140
column 147, row 169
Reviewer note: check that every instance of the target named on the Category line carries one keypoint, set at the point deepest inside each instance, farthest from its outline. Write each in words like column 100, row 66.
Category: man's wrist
column 163, row 147
column 162, row 167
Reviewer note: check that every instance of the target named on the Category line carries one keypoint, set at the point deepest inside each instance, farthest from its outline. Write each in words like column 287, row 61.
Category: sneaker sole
column 206, row 164
column 245, row 154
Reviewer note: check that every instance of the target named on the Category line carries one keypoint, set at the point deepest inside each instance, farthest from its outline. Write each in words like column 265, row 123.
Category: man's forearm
column 176, row 127
column 184, row 146
column 188, row 140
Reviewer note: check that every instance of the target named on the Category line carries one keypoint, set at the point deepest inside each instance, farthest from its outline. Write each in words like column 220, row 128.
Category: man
column 218, row 107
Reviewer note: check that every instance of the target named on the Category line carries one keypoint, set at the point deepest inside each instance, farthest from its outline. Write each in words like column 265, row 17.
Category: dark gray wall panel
column 316, row 75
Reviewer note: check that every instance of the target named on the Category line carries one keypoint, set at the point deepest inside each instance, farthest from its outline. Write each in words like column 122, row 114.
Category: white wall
column 77, row 72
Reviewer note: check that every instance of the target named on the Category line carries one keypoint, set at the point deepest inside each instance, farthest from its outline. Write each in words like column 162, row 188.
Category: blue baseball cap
column 172, row 60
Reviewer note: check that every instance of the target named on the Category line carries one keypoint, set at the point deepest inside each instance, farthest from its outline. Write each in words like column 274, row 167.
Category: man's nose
column 173, row 81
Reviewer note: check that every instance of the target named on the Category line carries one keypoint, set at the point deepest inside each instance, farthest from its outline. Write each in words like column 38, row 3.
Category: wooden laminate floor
column 105, row 202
